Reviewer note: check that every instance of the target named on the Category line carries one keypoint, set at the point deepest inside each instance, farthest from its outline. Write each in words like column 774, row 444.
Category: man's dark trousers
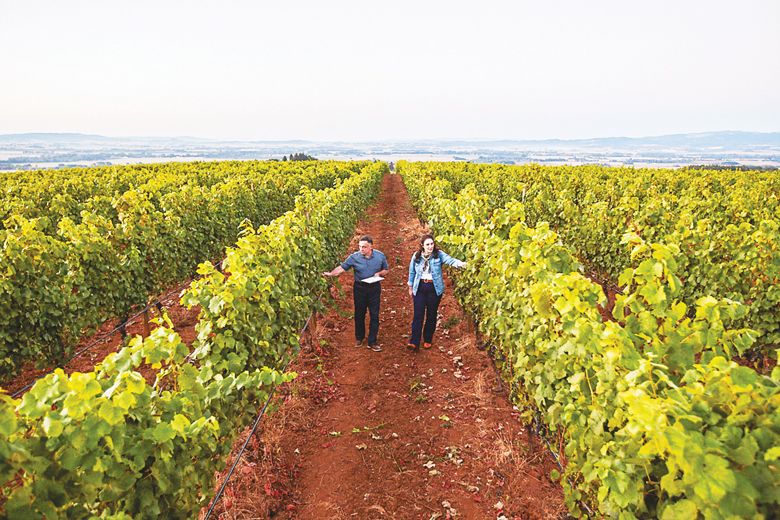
column 366, row 296
column 426, row 306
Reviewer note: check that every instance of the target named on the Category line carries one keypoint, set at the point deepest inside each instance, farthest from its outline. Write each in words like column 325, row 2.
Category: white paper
column 372, row 279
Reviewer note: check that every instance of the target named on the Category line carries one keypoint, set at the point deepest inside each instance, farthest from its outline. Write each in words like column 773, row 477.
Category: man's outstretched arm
column 335, row 272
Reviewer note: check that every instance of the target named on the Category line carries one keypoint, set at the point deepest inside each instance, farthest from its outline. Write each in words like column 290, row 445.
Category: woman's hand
column 411, row 293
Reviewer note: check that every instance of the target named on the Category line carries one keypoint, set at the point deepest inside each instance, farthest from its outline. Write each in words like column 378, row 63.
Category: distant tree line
column 299, row 157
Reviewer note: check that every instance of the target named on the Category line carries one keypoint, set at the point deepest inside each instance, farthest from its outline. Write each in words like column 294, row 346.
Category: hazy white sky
column 362, row 70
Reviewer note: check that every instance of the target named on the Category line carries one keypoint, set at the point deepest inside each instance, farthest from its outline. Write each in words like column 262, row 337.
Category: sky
column 362, row 70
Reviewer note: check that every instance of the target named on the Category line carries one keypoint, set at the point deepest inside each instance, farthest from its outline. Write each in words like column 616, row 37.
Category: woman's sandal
column 427, row 345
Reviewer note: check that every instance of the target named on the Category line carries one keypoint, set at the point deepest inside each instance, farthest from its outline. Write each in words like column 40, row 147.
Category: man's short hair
column 367, row 238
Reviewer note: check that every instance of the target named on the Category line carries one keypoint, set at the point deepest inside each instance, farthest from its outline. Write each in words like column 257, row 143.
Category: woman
column 426, row 286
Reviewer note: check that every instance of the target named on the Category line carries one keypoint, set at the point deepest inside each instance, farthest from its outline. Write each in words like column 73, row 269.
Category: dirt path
column 394, row 434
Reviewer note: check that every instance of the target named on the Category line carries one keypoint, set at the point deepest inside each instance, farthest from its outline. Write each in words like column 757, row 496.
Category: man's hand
column 335, row 272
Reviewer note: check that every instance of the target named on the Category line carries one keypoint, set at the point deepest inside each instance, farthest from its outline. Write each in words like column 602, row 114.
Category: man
column 366, row 262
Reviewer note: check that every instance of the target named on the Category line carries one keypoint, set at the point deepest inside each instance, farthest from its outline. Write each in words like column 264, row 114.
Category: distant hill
column 71, row 138
column 727, row 149
column 726, row 139
column 76, row 138
column 51, row 138
column 731, row 139
column 698, row 140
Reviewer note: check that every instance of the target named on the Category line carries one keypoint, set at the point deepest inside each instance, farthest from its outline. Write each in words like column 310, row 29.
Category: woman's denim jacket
column 416, row 267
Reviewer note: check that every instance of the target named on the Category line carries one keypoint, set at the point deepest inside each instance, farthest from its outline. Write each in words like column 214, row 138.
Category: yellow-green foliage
column 657, row 421
column 108, row 444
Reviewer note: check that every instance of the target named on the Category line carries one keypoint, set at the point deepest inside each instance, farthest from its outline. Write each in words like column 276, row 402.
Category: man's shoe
column 427, row 345
column 375, row 348
column 359, row 343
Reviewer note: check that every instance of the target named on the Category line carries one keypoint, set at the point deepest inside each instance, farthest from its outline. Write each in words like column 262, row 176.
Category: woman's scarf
column 426, row 265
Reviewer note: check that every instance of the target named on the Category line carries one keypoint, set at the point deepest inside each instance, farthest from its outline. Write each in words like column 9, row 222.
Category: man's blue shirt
column 365, row 267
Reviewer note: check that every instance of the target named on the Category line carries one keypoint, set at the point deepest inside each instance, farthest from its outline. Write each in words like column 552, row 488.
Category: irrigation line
column 81, row 351
column 103, row 338
column 260, row 414
column 538, row 431
column 537, row 426
column 241, row 452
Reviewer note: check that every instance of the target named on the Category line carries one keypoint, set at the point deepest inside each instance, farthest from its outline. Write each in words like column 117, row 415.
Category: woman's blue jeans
column 426, row 308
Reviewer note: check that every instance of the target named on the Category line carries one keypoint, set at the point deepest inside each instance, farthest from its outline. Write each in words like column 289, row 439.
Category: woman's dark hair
column 419, row 252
